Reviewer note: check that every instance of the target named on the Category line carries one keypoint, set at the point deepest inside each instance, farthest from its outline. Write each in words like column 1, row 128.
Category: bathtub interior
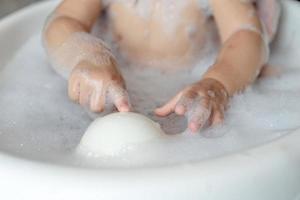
column 49, row 129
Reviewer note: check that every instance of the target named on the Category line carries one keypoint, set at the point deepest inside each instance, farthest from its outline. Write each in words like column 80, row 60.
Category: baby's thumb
column 169, row 107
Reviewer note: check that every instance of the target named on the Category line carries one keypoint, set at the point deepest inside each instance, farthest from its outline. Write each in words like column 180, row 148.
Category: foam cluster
column 112, row 134
column 39, row 121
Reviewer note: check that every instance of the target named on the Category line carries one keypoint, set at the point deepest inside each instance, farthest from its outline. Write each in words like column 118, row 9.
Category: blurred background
column 8, row 6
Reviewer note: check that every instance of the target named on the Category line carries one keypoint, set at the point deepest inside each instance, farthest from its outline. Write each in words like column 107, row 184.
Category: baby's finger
column 74, row 89
column 198, row 116
column 97, row 101
column 120, row 98
column 122, row 104
column 182, row 105
column 217, row 117
column 85, row 94
column 168, row 107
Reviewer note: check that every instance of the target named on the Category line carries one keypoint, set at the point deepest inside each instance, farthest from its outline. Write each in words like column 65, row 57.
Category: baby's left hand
column 202, row 103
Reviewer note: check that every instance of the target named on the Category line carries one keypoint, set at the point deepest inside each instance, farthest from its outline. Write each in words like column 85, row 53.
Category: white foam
column 69, row 54
column 110, row 134
column 38, row 121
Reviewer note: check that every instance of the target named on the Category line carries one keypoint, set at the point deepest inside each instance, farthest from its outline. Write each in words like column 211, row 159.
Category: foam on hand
column 110, row 135
column 38, row 121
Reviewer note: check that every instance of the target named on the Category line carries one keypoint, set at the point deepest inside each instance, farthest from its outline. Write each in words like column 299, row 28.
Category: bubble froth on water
column 38, row 121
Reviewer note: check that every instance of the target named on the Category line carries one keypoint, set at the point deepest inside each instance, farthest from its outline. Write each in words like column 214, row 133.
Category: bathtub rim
column 275, row 151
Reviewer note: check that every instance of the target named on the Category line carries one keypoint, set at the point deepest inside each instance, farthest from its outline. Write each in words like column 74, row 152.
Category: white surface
column 112, row 134
column 267, row 172
column 46, row 125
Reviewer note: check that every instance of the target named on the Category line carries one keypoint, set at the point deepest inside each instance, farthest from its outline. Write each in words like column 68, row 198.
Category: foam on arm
column 62, row 30
column 245, row 46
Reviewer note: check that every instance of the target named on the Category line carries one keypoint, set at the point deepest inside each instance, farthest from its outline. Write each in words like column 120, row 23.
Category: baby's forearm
column 70, row 16
column 239, row 61
column 245, row 44
column 66, row 34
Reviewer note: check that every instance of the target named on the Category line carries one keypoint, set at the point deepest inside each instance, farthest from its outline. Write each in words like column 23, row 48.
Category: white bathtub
column 267, row 172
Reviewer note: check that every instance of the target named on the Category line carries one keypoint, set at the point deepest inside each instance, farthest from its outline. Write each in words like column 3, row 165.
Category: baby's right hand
column 93, row 86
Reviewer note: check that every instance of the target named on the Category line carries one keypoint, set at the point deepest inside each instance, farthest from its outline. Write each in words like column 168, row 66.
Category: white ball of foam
column 109, row 135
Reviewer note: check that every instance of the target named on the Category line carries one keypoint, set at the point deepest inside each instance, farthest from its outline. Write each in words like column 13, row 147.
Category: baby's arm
column 244, row 51
column 70, row 17
column 82, row 58
column 245, row 44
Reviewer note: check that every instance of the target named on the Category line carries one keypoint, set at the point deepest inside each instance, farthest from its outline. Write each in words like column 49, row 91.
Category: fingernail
column 124, row 109
column 157, row 111
column 194, row 127
column 180, row 110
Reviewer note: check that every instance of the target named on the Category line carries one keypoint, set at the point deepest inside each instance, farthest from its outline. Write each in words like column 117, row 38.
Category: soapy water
column 38, row 121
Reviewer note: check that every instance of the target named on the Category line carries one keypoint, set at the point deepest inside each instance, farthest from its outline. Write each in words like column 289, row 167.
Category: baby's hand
column 92, row 86
column 203, row 102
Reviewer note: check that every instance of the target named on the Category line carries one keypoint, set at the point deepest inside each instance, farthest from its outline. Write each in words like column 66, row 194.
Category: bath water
column 39, row 122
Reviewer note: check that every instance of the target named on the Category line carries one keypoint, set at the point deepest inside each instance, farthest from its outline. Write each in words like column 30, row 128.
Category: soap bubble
column 38, row 121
